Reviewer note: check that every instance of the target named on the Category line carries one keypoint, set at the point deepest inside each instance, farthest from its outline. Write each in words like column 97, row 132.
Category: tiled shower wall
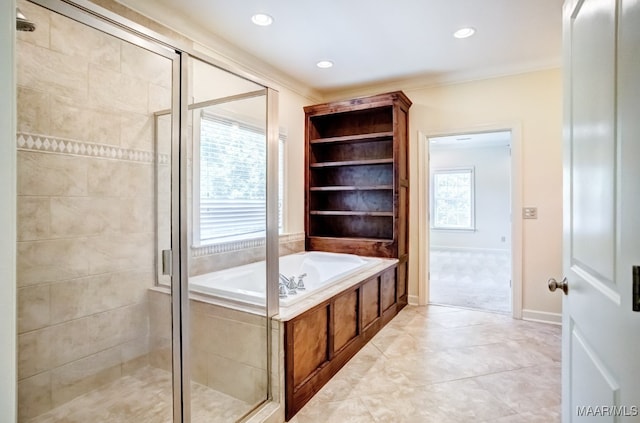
column 86, row 227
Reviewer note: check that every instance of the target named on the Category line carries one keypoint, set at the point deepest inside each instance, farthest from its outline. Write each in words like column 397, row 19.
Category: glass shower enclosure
column 140, row 166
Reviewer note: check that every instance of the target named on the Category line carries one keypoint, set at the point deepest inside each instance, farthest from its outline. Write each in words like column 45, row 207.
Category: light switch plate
column 530, row 213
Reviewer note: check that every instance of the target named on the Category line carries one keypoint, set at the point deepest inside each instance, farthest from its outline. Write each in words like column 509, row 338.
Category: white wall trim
column 424, row 222
column 542, row 316
column 472, row 249
column 414, row 300
column 8, row 286
column 516, row 205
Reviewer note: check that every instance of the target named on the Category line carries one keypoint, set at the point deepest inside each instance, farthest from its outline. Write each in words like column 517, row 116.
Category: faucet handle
column 300, row 284
column 292, row 285
column 282, row 290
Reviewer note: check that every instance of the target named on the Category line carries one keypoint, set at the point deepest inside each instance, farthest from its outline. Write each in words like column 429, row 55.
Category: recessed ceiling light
column 262, row 19
column 464, row 32
column 324, row 64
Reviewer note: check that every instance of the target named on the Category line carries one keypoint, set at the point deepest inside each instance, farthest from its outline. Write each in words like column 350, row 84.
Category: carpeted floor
column 478, row 279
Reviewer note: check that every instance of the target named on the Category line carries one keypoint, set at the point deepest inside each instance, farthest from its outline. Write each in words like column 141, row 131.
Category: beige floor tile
column 528, row 389
column 458, row 401
column 347, row 411
column 442, row 364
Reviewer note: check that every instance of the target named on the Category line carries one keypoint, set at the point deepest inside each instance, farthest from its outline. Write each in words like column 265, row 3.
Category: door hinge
column 167, row 260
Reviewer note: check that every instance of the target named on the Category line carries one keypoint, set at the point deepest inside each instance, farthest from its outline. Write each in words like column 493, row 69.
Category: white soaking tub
column 246, row 285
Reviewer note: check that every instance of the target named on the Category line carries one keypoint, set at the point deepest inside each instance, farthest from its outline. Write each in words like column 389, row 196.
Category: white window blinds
column 232, row 180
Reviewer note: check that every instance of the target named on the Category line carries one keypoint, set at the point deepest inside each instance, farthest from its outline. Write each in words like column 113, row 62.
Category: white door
column 601, row 332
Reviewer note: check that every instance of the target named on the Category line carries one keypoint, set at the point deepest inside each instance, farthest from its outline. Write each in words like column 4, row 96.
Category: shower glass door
column 227, row 145
column 95, row 340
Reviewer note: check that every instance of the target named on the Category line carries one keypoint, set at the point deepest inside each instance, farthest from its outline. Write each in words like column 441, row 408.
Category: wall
column 492, row 197
column 7, row 213
column 532, row 102
column 85, row 198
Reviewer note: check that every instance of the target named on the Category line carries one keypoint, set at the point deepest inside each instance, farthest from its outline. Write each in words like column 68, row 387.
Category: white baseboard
column 542, row 316
column 469, row 249
column 413, row 300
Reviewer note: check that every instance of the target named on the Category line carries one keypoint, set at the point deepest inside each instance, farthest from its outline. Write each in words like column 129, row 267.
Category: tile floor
column 443, row 364
column 429, row 364
column 474, row 279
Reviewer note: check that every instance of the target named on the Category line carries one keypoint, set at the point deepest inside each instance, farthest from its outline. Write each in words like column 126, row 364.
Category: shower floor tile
column 145, row 396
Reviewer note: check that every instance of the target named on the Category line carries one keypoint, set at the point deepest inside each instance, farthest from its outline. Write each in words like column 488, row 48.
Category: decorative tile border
column 43, row 143
column 241, row 245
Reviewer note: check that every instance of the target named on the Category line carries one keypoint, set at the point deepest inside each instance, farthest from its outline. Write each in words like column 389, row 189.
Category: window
column 230, row 199
column 453, row 199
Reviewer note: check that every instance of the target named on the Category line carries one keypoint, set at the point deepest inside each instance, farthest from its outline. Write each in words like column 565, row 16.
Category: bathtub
column 245, row 284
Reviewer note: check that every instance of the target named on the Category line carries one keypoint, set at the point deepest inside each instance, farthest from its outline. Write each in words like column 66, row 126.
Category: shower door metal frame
column 101, row 19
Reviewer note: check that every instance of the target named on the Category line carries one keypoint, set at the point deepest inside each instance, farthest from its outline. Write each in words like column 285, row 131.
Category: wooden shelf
column 352, row 188
column 376, row 136
column 350, row 213
column 356, row 202
column 352, row 163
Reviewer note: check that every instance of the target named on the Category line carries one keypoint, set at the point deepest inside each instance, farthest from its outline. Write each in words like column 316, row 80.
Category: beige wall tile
column 120, row 252
column 159, row 98
column 82, row 376
column 145, row 65
column 134, row 349
column 81, row 216
column 56, row 73
column 164, row 134
column 199, row 365
column 34, row 307
column 76, row 39
column 242, row 342
column 115, row 91
column 35, row 352
column 34, row 218
column 110, row 178
column 137, row 215
column 74, row 120
column 51, row 174
column 82, row 337
column 136, row 131
column 238, row 380
column 34, row 396
column 95, row 294
column 47, row 261
column 34, row 111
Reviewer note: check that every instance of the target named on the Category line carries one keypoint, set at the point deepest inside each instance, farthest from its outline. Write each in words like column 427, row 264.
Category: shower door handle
column 167, row 259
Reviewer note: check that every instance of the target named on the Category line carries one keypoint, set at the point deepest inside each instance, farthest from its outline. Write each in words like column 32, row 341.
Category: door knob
column 554, row 284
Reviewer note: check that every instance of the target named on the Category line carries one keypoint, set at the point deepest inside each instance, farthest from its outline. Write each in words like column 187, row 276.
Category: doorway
column 470, row 231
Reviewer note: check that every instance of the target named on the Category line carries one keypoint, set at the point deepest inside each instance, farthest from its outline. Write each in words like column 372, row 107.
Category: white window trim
column 471, row 170
column 196, row 242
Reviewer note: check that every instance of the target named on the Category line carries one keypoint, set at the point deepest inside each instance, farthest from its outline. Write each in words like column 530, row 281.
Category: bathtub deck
column 294, row 310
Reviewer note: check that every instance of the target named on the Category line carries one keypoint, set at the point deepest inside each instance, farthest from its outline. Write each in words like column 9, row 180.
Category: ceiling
column 379, row 41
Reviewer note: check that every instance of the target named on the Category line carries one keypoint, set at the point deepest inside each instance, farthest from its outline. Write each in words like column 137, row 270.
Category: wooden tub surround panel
column 321, row 340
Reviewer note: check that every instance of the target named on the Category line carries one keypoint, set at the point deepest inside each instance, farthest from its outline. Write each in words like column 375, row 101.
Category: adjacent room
column 470, row 234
